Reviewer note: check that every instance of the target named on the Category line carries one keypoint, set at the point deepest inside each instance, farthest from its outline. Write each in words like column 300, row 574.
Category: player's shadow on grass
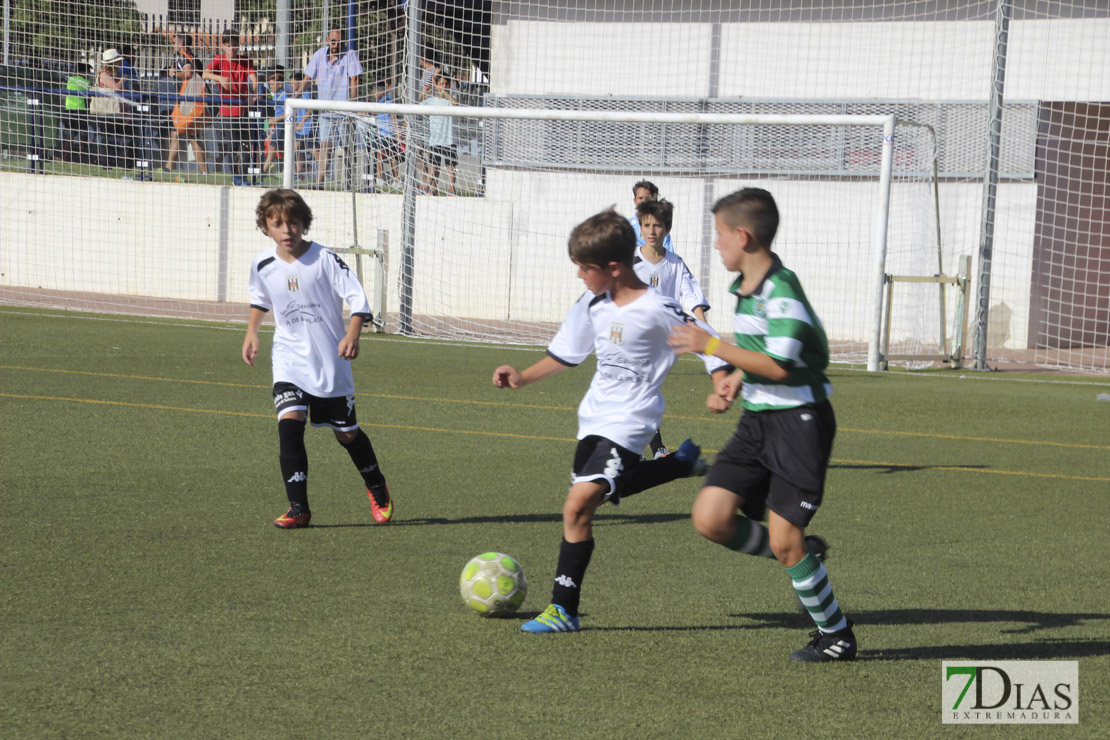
column 599, row 520
column 888, row 469
column 1042, row 648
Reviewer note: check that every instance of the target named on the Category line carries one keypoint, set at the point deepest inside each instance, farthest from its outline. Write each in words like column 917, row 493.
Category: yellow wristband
column 711, row 346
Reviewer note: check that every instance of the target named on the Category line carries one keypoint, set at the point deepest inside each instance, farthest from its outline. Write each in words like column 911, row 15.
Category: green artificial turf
column 145, row 592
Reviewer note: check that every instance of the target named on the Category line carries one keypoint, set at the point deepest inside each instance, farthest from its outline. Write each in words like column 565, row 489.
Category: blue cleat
column 553, row 619
column 690, row 453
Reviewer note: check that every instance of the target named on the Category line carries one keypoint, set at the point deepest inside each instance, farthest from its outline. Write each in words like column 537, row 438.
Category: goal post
column 558, row 169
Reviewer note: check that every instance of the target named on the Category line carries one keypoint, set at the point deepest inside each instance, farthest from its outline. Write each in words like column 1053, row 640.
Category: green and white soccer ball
column 493, row 584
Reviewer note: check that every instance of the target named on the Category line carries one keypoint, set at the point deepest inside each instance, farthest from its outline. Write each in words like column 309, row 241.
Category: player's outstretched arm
column 508, row 376
column 250, row 342
column 688, row 338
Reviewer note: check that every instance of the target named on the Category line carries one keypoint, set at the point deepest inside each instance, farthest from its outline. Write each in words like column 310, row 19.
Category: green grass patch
column 146, row 592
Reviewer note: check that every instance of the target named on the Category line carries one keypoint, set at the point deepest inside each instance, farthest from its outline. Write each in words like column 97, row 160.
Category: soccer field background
column 146, row 592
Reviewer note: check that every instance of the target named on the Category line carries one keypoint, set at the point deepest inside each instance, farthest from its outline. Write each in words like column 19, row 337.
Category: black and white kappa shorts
column 599, row 459
column 778, row 460
column 337, row 412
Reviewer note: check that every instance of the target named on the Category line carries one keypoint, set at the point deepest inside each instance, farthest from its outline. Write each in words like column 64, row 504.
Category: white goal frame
column 883, row 123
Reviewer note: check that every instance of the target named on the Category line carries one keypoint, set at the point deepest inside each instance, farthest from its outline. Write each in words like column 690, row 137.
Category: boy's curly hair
column 288, row 203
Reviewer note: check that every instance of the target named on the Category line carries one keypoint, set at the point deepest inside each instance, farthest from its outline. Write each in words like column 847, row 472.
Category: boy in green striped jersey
column 778, row 456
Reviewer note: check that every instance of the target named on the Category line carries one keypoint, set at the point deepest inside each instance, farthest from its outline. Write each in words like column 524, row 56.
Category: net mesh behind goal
column 486, row 252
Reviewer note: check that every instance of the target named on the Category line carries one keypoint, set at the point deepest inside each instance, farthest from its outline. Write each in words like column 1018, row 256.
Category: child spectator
column 306, row 284
column 626, row 324
column 441, row 139
column 666, row 272
column 778, row 457
column 275, row 124
column 387, row 146
column 304, row 129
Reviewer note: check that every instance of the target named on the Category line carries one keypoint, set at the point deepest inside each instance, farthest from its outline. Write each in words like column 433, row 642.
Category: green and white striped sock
column 811, row 581
column 751, row 537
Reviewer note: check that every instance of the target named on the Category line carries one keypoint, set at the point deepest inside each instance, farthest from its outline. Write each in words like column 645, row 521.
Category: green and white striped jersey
column 777, row 320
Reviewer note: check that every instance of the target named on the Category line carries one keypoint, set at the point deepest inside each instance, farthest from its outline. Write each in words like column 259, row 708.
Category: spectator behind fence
column 441, row 139
column 182, row 55
column 238, row 84
column 428, row 77
column 189, row 118
column 387, row 145
column 335, row 73
column 303, row 126
column 275, row 128
column 111, row 112
column 75, row 118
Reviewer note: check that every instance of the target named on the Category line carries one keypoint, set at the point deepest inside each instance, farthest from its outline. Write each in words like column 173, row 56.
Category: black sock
column 573, row 559
column 652, row 473
column 656, row 443
column 362, row 455
column 294, row 461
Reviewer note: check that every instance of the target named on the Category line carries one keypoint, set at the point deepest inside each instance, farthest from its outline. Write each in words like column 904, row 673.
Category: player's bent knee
column 345, row 438
column 713, row 513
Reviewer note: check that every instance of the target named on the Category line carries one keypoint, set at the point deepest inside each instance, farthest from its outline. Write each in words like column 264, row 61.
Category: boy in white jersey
column 778, row 457
column 306, row 284
column 665, row 271
column 627, row 325
column 645, row 190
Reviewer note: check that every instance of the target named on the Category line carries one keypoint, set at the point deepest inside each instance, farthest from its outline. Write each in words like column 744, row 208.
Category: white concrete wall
column 498, row 258
column 1048, row 59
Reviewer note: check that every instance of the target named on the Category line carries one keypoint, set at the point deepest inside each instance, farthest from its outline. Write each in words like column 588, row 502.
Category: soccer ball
column 493, row 584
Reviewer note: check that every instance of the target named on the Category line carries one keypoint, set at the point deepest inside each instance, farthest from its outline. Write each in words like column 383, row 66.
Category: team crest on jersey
column 760, row 307
column 616, row 333
column 291, row 284
column 654, row 281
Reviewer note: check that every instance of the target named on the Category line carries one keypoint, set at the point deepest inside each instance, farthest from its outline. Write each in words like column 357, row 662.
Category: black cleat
column 827, row 647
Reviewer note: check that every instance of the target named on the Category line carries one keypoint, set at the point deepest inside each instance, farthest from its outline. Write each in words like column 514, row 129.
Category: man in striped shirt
column 778, row 456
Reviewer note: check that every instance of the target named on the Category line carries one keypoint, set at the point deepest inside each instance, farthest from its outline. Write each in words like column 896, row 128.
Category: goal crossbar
column 886, row 123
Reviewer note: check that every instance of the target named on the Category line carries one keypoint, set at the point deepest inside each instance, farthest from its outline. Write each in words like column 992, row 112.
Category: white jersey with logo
column 625, row 401
column 307, row 298
column 672, row 278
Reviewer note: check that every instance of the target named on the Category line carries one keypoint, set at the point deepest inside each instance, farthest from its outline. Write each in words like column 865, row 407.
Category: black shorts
column 337, row 412
column 778, row 459
column 444, row 155
column 599, row 459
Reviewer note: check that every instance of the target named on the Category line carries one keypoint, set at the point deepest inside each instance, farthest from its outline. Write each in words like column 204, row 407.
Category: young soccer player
column 642, row 191
column 665, row 271
column 306, row 284
column 627, row 325
column 778, row 456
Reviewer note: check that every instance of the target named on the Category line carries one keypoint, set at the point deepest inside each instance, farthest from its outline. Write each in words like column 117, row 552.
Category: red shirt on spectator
column 238, row 70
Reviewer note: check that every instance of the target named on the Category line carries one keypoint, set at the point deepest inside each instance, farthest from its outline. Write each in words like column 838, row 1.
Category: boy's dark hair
column 288, row 203
column 751, row 209
column 379, row 85
column 228, row 36
column 603, row 238
column 188, row 42
column 648, row 186
column 298, row 76
column 275, row 74
column 662, row 210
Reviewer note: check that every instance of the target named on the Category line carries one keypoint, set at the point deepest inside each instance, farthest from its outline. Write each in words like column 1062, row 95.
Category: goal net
column 475, row 245
column 108, row 206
